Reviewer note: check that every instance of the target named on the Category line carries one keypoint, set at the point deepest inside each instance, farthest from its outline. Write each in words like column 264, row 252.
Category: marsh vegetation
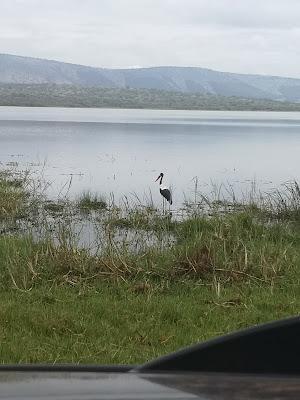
column 89, row 280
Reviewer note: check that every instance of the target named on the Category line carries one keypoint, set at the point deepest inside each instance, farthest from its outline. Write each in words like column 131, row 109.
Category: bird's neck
column 160, row 182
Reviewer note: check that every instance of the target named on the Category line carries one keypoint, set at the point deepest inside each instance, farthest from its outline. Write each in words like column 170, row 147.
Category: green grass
column 233, row 247
column 91, row 201
column 13, row 197
column 220, row 272
column 236, row 246
column 143, row 218
column 115, row 323
column 54, row 207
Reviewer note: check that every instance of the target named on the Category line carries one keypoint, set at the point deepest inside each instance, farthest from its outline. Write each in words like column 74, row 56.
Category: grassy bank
column 150, row 284
column 117, row 323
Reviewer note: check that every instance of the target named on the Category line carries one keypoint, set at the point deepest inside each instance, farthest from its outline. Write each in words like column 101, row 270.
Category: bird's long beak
column 157, row 178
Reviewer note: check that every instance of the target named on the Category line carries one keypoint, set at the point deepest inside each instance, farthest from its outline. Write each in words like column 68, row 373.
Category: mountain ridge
column 146, row 68
column 15, row 69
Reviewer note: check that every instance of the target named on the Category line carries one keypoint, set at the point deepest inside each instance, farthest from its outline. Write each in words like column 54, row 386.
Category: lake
column 123, row 151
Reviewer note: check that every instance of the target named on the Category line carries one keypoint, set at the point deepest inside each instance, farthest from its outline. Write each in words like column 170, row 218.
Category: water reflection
column 122, row 151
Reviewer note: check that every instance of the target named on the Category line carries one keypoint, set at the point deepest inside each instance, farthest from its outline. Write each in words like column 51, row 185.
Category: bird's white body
column 161, row 187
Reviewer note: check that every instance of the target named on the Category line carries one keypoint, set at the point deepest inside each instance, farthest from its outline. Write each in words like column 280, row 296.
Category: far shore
column 50, row 95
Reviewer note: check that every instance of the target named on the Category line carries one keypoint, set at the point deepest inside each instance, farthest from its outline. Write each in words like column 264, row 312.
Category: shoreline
column 222, row 270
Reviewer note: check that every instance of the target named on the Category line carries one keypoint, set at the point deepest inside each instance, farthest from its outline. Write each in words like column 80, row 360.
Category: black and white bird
column 164, row 191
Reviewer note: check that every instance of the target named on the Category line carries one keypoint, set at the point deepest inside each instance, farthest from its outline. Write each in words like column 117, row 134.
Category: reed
column 88, row 201
column 124, row 283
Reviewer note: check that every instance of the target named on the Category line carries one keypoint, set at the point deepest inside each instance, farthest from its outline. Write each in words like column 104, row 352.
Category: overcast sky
column 248, row 36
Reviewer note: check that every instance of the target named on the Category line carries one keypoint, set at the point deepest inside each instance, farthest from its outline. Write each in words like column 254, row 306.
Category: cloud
column 247, row 36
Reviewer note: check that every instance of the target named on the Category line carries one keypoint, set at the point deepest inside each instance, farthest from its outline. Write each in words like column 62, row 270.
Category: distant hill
column 26, row 70
column 49, row 95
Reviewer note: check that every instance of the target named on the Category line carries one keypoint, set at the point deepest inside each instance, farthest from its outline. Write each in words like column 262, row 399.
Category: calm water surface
column 123, row 151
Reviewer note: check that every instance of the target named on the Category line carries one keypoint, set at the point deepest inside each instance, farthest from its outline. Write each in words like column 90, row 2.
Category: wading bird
column 164, row 191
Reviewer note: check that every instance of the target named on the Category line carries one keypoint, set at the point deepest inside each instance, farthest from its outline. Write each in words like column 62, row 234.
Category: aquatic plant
column 91, row 201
